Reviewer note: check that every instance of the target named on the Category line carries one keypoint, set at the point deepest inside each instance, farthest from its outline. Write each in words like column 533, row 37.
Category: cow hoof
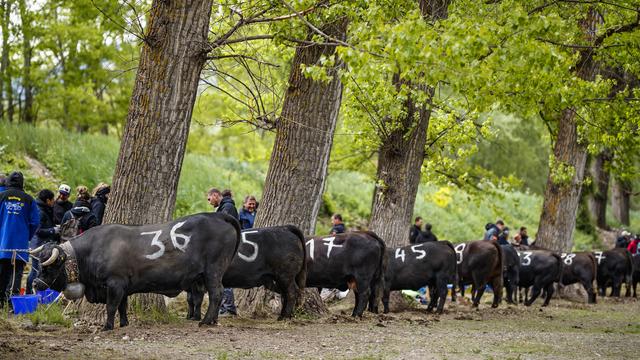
column 202, row 323
column 107, row 328
column 123, row 324
column 494, row 305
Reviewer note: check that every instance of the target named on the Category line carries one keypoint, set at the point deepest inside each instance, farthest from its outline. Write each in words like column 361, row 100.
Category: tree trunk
column 27, row 113
column 153, row 145
column 564, row 184
column 298, row 166
column 597, row 201
column 401, row 155
column 620, row 200
column 5, row 7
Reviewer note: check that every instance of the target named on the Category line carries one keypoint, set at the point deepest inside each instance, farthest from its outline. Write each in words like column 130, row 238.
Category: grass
column 86, row 159
column 49, row 315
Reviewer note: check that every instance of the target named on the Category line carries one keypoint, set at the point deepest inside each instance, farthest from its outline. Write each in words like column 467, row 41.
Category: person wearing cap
column 623, row 240
column 19, row 220
column 99, row 201
column 62, row 204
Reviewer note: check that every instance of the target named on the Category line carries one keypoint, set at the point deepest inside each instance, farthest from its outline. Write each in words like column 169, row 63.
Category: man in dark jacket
column 247, row 214
column 624, row 239
column 426, row 235
column 62, row 204
column 225, row 204
column 493, row 230
column 47, row 232
column 338, row 225
column 19, row 220
column 415, row 231
column 99, row 202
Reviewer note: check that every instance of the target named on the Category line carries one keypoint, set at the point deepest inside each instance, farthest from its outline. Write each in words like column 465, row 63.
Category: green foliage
column 50, row 314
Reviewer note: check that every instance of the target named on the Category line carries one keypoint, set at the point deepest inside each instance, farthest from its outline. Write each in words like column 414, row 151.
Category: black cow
column 114, row 261
column 540, row 269
column 615, row 267
column 479, row 264
column 580, row 267
column 635, row 279
column 355, row 260
column 430, row 264
column 511, row 271
column 273, row 257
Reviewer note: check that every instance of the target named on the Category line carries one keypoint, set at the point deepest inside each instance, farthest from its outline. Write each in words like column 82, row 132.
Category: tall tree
column 597, row 201
column 620, row 200
column 402, row 152
column 564, row 184
column 300, row 157
column 5, row 8
column 28, row 114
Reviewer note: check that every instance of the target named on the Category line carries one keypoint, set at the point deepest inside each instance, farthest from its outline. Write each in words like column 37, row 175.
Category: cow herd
column 207, row 252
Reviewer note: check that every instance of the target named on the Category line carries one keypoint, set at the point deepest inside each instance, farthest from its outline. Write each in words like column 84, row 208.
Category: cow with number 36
column 108, row 263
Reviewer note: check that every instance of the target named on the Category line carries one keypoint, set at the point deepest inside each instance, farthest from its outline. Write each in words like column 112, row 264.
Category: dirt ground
column 564, row 330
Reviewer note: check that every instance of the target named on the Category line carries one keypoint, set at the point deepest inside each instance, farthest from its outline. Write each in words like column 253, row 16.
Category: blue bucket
column 24, row 304
column 47, row 296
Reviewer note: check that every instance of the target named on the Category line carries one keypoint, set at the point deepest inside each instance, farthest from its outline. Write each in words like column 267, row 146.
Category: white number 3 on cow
column 182, row 246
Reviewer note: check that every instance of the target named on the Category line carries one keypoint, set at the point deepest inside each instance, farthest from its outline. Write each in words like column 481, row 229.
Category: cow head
column 52, row 272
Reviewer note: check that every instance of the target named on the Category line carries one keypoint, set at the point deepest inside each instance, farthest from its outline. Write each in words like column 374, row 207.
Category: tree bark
column 27, row 113
column 401, row 155
column 300, row 158
column 597, row 200
column 620, row 200
column 562, row 196
column 5, row 7
column 153, row 145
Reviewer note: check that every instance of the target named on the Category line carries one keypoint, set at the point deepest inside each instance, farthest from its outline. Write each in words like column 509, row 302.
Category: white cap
column 64, row 189
column 625, row 233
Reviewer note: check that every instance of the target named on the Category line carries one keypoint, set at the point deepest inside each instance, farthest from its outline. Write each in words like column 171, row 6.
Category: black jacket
column 59, row 208
column 414, row 233
column 338, row 229
column 81, row 212
column 98, row 205
column 46, row 231
column 426, row 236
column 228, row 206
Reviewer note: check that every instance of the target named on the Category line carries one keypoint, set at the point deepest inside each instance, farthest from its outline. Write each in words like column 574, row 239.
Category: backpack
column 70, row 229
column 488, row 226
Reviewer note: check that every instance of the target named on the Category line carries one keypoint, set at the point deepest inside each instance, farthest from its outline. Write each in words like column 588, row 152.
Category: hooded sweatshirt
column 19, row 218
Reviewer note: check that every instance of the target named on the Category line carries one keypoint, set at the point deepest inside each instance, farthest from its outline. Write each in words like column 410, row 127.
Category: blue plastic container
column 24, row 304
column 47, row 296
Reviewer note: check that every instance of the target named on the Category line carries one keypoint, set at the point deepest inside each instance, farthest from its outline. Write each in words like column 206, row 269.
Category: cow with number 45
column 108, row 263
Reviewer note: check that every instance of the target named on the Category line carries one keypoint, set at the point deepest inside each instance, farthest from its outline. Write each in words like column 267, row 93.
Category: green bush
column 50, row 315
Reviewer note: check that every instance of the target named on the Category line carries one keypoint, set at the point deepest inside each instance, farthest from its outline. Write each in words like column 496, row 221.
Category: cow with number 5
column 273, row 257
column 411, row 267
column 108, row 263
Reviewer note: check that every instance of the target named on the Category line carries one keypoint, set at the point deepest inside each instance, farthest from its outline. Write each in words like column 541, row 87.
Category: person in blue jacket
column 247, row 214
column 19, row 220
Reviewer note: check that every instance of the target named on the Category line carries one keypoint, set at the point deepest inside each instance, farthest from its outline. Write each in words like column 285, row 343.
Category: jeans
column 228, row 304
column 33, row 274
column 10, row 279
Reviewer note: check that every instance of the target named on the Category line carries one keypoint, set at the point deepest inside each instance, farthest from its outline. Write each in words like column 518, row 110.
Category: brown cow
column 479, row 264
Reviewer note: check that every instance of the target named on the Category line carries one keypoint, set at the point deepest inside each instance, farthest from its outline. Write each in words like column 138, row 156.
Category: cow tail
column 629, row 276
column 378, row 279
column 594, row 265
column 455, row 262
column 231, row 220
column 560, row 267
column 301, row 277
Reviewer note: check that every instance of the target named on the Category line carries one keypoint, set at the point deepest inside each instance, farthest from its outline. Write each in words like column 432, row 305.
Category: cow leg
column 433, row 301
column 635, row 285
column 197, row 297
column 189, row 305
column 441, row 283
column 356, row 294
column 479, row 285
column 122, row 311
column 549, row 294
column 288, row 300
column 534, row 295
column 213, row 284
column 374, row 298
column 617, row 284
column 362, row 296
column 627, row 285
column 591, row 294
column 496, row 285
column 114, row 298
column 385, row 299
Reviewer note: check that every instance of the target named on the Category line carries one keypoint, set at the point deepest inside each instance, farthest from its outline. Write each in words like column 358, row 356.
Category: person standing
column 493, row 230
column 427, row 235
column 81, row 214
column 99, row 201
column 247, row 214
column 224, row 203
column 415, row 231
column 19, row 220
column 338, row 225
column 47, row 232
column 62, row 204
column 521, row 238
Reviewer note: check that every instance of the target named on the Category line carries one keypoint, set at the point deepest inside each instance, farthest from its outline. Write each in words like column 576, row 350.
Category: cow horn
column 54, row 256
column 36, row 250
